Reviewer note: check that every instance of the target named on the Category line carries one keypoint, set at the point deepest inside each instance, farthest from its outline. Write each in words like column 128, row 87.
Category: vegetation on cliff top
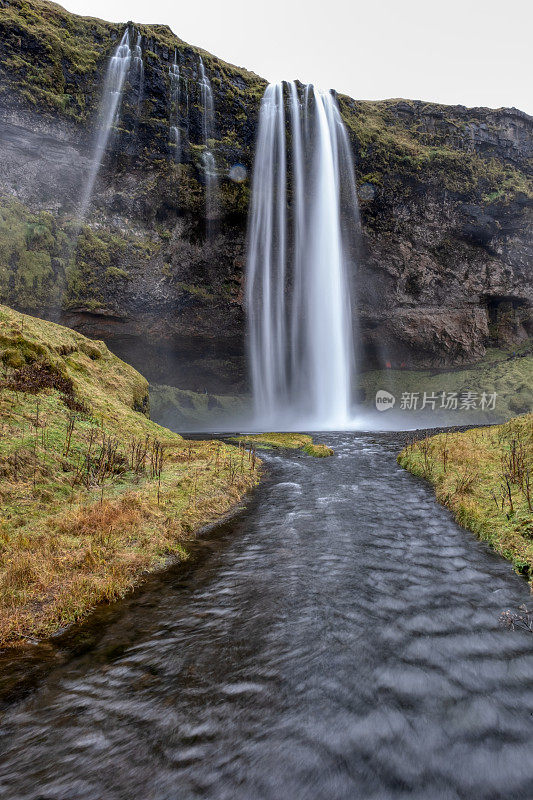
column 388, row 147
column 485, row 476
column 52, row 58
column 93, row 494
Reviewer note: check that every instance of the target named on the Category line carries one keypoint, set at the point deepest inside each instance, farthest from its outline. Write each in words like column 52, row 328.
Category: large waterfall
column 303, row 228
column 109, row 108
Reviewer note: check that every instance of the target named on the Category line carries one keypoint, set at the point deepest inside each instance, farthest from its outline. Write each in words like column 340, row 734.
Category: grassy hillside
column 485, row 476
column 93, row 493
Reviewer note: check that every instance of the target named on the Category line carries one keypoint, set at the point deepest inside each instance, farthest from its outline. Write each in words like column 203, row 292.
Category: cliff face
column 445, row 197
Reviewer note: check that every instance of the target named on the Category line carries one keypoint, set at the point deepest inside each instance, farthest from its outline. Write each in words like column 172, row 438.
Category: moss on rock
column 289, row 441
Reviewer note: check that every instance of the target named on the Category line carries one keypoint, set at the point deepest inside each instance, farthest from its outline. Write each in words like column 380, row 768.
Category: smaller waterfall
column 137, row 55
column 208, row 158
column 175, row 100
column 208, row 108
column 138, row 67
column 117, row 70
column 187, row 109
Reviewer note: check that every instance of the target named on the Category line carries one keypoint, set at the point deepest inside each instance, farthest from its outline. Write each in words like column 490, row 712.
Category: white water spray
column 300, row 329
column 108, row 113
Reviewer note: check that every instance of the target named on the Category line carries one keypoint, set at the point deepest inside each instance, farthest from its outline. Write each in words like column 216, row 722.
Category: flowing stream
column 338, row 639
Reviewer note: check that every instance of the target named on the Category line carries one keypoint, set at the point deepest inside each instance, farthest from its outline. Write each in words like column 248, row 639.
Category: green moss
column 235, row 197
column 200, row 292
column 93, row 370
column 33, row 255
column 390, row 151
column 289, row 441
column 38, row 269
column 115, row 273
column 100, row 249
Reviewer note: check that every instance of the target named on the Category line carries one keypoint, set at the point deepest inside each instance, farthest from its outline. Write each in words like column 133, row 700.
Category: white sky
column 472, row 52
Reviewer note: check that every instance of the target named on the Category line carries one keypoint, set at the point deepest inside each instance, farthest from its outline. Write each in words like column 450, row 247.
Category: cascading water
column 187, row 121
column 208, row 159
column 108, row 113
column 298, row 294
column 138, row 66
column 175, row 99
column 266, row 260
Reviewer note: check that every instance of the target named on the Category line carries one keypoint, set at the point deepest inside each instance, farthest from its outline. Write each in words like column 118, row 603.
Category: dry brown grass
column 92, row 493
column 485, row 476
column 58, row 567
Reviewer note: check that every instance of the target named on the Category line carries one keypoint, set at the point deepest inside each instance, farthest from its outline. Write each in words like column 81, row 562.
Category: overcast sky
column 473, row 52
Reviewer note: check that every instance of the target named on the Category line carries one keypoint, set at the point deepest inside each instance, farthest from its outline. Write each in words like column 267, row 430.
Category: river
column 337, row 640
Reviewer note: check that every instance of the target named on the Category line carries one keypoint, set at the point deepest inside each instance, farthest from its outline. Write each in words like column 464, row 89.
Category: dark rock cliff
column 445, row 196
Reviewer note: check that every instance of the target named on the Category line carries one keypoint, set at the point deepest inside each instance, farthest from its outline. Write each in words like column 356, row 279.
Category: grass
column 485, row 476
column 506, row 372
column 290, row 441
column 93, row 494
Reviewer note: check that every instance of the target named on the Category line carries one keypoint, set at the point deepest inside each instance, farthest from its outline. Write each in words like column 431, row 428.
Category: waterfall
column 108, row 113
column 302, row 228
column 266, row 260
column 138, row 66
column 175, row 99
column 208, row 159
column 187, row 110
